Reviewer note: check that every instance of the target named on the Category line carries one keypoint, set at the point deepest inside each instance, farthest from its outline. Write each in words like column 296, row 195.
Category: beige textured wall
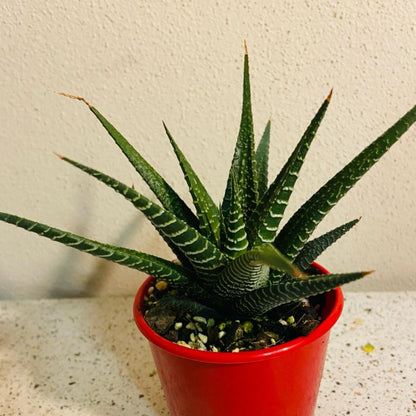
column 141, row 62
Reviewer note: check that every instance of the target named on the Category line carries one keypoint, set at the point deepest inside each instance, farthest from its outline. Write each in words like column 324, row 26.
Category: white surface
column 86, row 357
column 141, row 62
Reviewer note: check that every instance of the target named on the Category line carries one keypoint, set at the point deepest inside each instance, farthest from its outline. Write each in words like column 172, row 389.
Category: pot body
column 279, row 381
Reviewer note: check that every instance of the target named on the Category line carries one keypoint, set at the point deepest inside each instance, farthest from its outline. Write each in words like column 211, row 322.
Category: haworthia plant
column 234, row 257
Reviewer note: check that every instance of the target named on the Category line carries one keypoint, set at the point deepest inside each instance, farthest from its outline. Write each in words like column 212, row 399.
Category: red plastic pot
column 278, row 381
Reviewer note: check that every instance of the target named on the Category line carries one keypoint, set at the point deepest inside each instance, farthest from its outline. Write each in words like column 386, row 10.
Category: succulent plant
column 234, row 257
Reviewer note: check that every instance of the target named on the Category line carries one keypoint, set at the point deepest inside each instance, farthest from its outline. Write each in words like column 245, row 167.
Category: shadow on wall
column 68, row 284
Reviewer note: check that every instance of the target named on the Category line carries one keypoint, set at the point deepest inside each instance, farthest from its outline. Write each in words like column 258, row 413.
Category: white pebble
column 191, row 326
column 183, row 343
column 201, row 346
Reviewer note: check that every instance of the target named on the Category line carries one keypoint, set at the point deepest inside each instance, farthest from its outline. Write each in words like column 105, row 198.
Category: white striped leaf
column 163, row 191
column 207, row 211
column 317, row 246
column 265, row 220
column 234, row 240
column 204, row 256
column 264, row 299
column 243, row 164
column 250, row 271
column 262, row 161
column 172, row 273
column 301, row 225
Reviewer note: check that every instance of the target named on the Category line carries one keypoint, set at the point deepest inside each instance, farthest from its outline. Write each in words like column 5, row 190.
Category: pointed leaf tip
column 329, row 95
column 57, row 154
column 75, row 97
column 245, row 48
column 166, row 128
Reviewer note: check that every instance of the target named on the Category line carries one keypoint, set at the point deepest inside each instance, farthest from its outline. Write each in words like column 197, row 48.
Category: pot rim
column 334, row 302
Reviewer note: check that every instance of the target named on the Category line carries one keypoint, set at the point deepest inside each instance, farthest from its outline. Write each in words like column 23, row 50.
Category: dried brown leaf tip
column 75, row 97
column 59, row 155
column 329, row 95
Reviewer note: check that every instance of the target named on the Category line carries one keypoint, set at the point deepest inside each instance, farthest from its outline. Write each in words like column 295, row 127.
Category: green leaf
column 174, row 274
column 243, row 164
column 268, row 255
column 262, row 161
column 316, row 247
column 251, row 270
column 262, row 300
column 163, row 191
column 207, row 211
column 234, row 233
column 203, row 255
column 265, row 220
column 298, row 229
column 187, row 305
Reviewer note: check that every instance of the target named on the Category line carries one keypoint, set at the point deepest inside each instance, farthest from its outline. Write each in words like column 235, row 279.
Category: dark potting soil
column 225, row 334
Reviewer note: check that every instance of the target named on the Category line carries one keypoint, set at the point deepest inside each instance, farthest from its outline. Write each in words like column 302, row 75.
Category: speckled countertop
column 86, row 357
